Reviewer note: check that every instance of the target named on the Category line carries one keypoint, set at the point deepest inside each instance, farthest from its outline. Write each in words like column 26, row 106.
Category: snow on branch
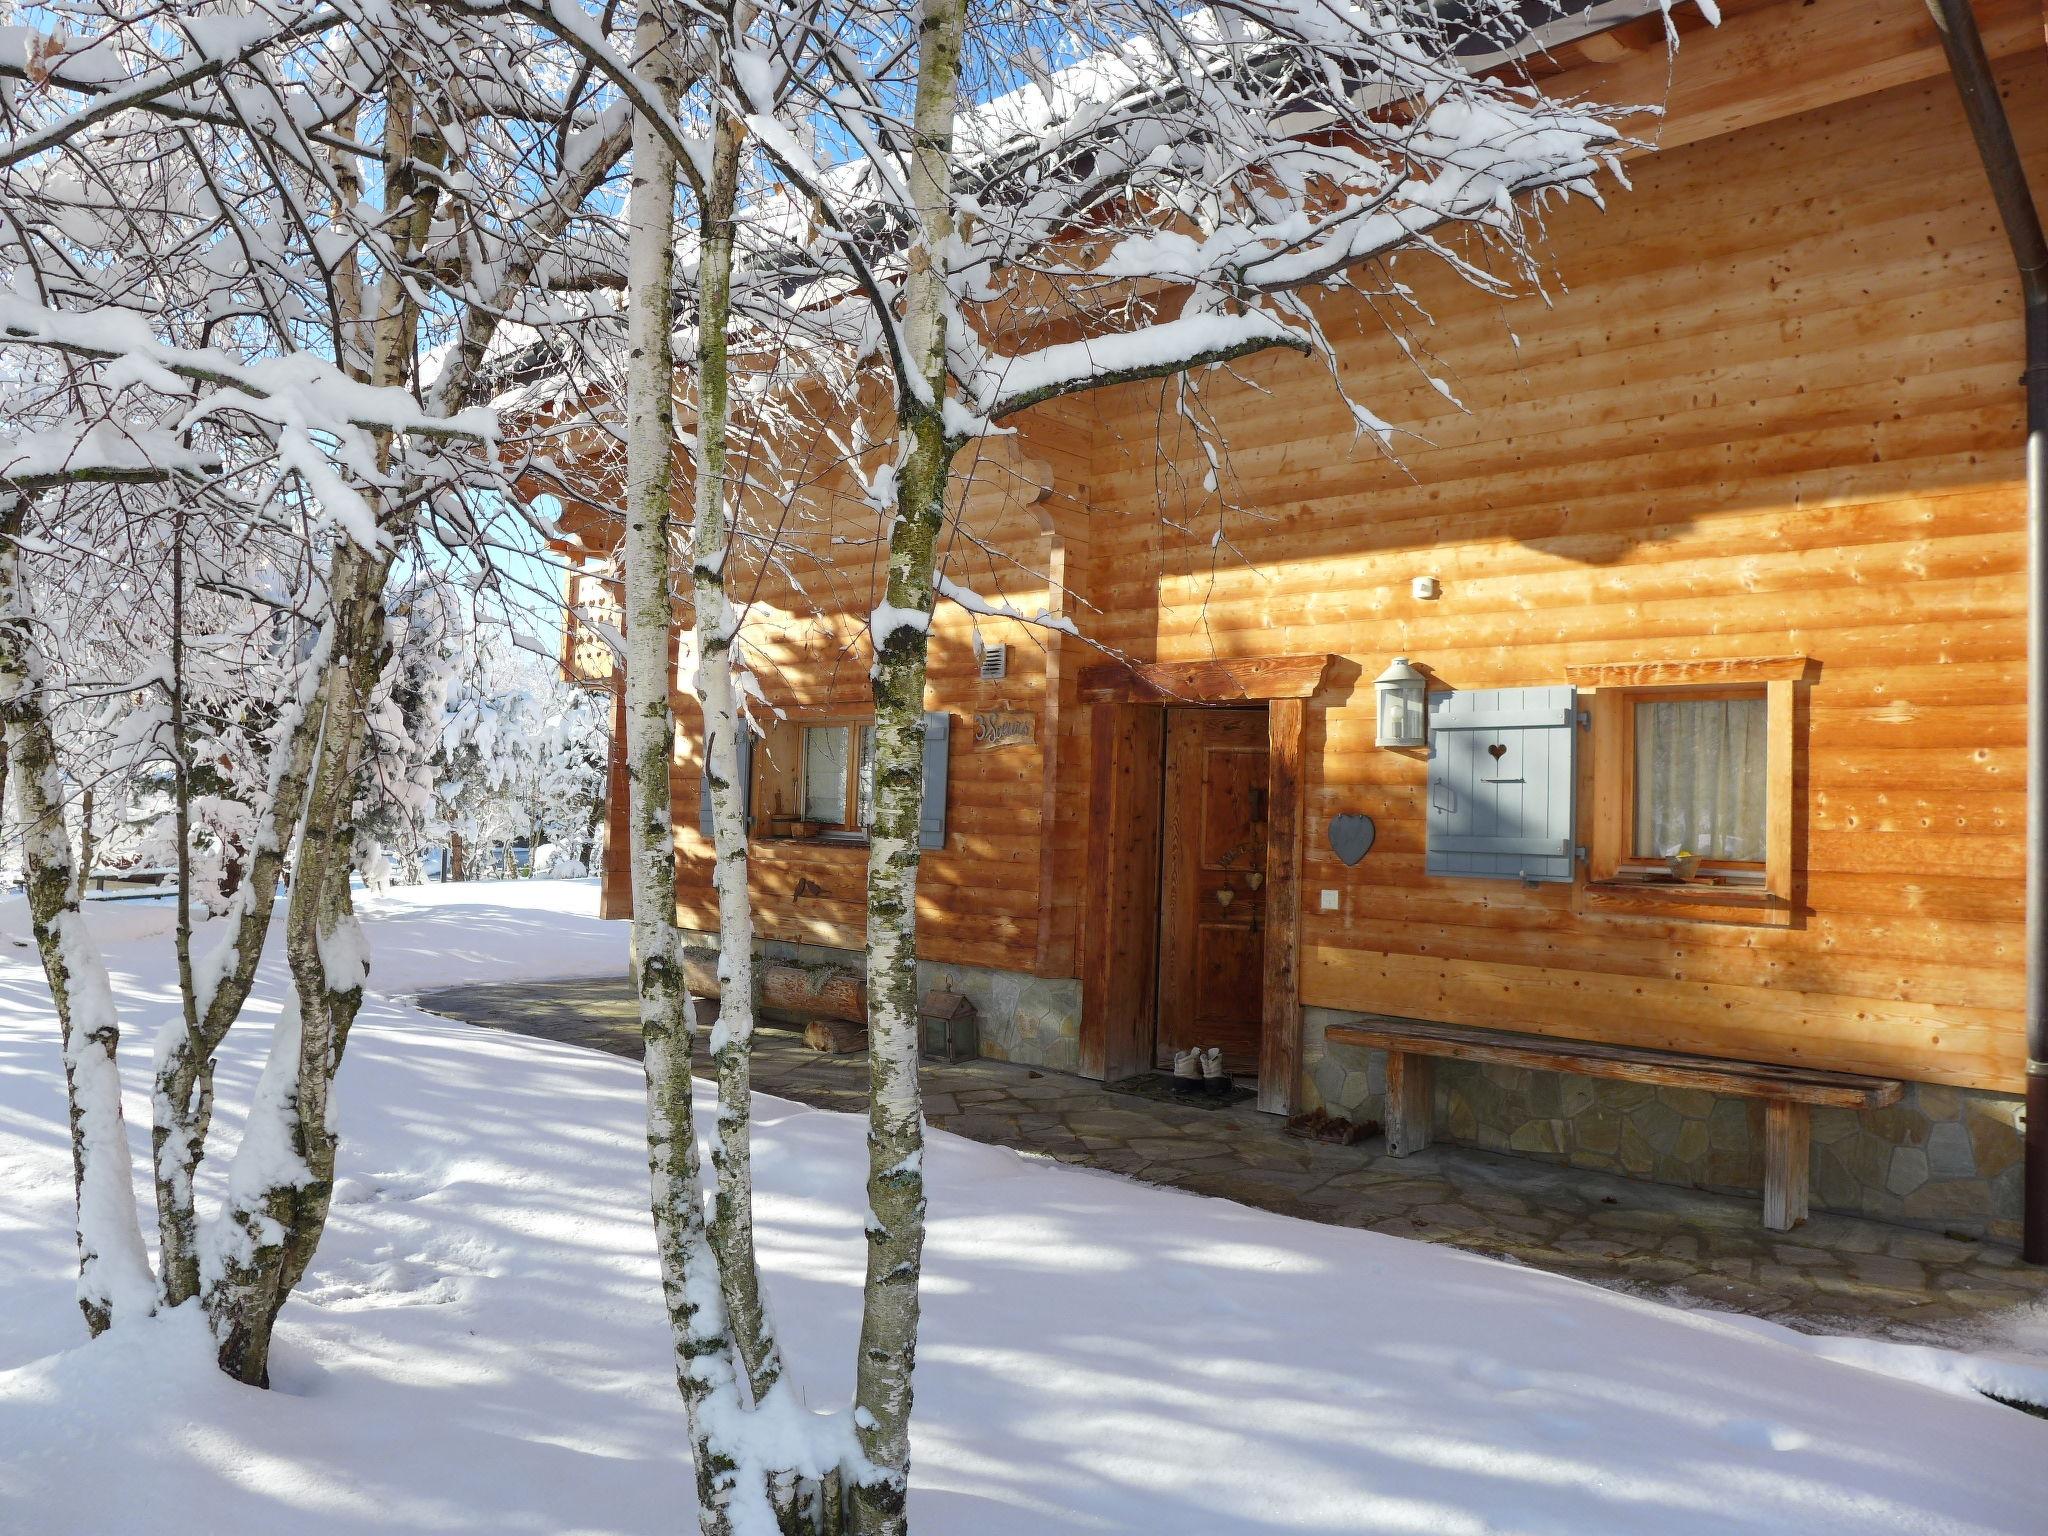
column 93, row 68
column 988, row 608
column 102, row 453
column 294, row 388
column 1006, row 385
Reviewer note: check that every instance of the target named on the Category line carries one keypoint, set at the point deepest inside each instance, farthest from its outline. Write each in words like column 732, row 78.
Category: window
column 1699, row 771
column 1691, row 758
column 838, row 775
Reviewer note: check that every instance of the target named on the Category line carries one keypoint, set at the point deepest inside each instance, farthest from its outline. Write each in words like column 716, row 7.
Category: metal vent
column 995, row 661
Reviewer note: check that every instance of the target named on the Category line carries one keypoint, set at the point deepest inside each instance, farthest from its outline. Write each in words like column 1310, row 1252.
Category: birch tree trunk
column 705, row 1367
column 732, row 1208
column 114, row 1279
column 220, row 983
column 281, row 1185
column 896, row 1202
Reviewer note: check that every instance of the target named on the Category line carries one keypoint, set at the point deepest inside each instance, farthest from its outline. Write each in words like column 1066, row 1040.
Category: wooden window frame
column 1615, row 882
column 849, row 829
column 778, row 781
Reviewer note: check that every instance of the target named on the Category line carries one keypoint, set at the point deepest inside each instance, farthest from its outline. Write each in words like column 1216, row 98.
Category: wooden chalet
column 1725, row 554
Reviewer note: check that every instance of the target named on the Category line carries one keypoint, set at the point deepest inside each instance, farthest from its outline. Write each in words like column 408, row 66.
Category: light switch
column 1330, row 901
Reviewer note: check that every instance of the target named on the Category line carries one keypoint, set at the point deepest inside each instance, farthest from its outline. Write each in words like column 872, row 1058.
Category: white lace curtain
column 1700, row 778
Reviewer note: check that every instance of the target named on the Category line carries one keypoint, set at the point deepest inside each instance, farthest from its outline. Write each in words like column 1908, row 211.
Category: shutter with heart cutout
column 1503, row 779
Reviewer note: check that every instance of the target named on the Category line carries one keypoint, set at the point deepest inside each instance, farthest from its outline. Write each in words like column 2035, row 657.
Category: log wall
column 1770, row 408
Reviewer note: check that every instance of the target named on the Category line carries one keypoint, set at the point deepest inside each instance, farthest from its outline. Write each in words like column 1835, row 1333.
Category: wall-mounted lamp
column 1401, row 692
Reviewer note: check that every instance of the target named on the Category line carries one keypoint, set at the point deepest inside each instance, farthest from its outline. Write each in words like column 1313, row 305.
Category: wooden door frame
column 1120, row 899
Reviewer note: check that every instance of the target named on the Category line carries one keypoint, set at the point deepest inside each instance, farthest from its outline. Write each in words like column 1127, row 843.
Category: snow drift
column 481, row 1347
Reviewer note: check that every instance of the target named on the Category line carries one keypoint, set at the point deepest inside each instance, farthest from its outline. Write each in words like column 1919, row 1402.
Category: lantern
column 1401, row 692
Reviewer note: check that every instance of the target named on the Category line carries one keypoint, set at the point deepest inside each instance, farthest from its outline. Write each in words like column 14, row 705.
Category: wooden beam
column 1120, row 916
column 1624, row 1063
column 1052, row 958
column 1280, row 1030
column 1786, row 59
column 1689, row 672
column 615, row 889
column 1243, row 680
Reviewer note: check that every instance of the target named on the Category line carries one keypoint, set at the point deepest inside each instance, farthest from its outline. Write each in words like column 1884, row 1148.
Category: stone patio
column 1832, row 1274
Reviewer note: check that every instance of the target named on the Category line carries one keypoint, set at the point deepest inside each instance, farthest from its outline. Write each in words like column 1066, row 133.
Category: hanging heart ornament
column 1255, row 878
column 1225, row 896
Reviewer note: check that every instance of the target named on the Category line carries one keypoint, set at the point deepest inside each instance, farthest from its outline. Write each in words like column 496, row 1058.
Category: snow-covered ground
column 480, row 1347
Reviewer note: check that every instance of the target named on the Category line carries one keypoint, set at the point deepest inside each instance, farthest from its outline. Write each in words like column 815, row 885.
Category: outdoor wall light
column 1401, row 693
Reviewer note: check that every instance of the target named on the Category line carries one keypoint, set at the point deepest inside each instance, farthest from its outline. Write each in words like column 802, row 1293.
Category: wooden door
column 1213, row 886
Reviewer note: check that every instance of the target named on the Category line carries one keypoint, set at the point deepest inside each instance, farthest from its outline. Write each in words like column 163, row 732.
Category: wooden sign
column 998, row 728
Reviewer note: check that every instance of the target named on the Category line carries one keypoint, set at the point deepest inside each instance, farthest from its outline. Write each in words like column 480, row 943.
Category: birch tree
column 966, row 210
column 285, row 310
column 1021, row 204
column 1052, row 201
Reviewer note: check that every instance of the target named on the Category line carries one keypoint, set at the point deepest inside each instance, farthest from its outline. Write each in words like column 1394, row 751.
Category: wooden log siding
column 979, row 897
column 1769, row 412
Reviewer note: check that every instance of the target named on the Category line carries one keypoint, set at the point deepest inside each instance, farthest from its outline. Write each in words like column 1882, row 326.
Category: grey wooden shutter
column 1503, row 777
column 746, row 784
column 931, row 824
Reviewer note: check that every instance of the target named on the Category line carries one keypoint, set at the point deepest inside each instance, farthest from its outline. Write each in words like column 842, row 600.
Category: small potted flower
column 1684, row 864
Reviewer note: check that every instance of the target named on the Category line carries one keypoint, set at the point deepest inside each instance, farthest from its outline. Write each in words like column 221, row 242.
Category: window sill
column 815, row 840
column 1624, row 897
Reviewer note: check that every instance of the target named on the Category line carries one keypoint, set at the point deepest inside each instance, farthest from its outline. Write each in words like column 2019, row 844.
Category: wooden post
column 1280, row 1030
column 1788, row 1140
column 1411, row 1102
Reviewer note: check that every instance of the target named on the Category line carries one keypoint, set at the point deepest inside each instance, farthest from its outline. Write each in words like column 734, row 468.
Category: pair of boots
column 1198, row 1063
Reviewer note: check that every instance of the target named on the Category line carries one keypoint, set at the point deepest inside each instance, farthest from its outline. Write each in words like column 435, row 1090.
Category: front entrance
column 1212, row 917
column 1191, row 904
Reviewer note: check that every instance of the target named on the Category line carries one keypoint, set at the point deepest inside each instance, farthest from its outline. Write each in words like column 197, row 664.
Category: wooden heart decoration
column 1497, row 751
column 1351, row 836
column 1225, row 896
column 1254, row 878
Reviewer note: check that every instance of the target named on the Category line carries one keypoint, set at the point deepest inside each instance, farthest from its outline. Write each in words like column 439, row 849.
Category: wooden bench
column 1788, row 1093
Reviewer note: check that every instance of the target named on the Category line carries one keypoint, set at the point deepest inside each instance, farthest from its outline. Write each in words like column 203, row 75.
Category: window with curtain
column 839, row 775
column 1700, row 780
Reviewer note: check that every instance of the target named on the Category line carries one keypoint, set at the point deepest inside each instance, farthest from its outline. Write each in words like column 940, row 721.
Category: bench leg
column 1788, row 1141
column 1411, row 1102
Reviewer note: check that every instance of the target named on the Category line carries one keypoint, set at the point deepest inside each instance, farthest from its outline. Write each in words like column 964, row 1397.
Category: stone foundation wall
column 1942, row 1158
column 1035, row 1020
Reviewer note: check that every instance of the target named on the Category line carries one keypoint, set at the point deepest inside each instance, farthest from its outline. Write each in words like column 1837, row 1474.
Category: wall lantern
column 1401, row 692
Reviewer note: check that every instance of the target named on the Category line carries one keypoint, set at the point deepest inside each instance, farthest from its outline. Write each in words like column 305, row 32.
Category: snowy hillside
column 481, row 1346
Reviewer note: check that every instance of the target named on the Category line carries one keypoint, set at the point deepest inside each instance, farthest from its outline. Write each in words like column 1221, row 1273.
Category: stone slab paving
column 1831, row 1274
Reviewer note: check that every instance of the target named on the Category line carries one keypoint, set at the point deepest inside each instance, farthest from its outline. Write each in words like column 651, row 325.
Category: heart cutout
column 1351, row 836
column 1497, row 751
